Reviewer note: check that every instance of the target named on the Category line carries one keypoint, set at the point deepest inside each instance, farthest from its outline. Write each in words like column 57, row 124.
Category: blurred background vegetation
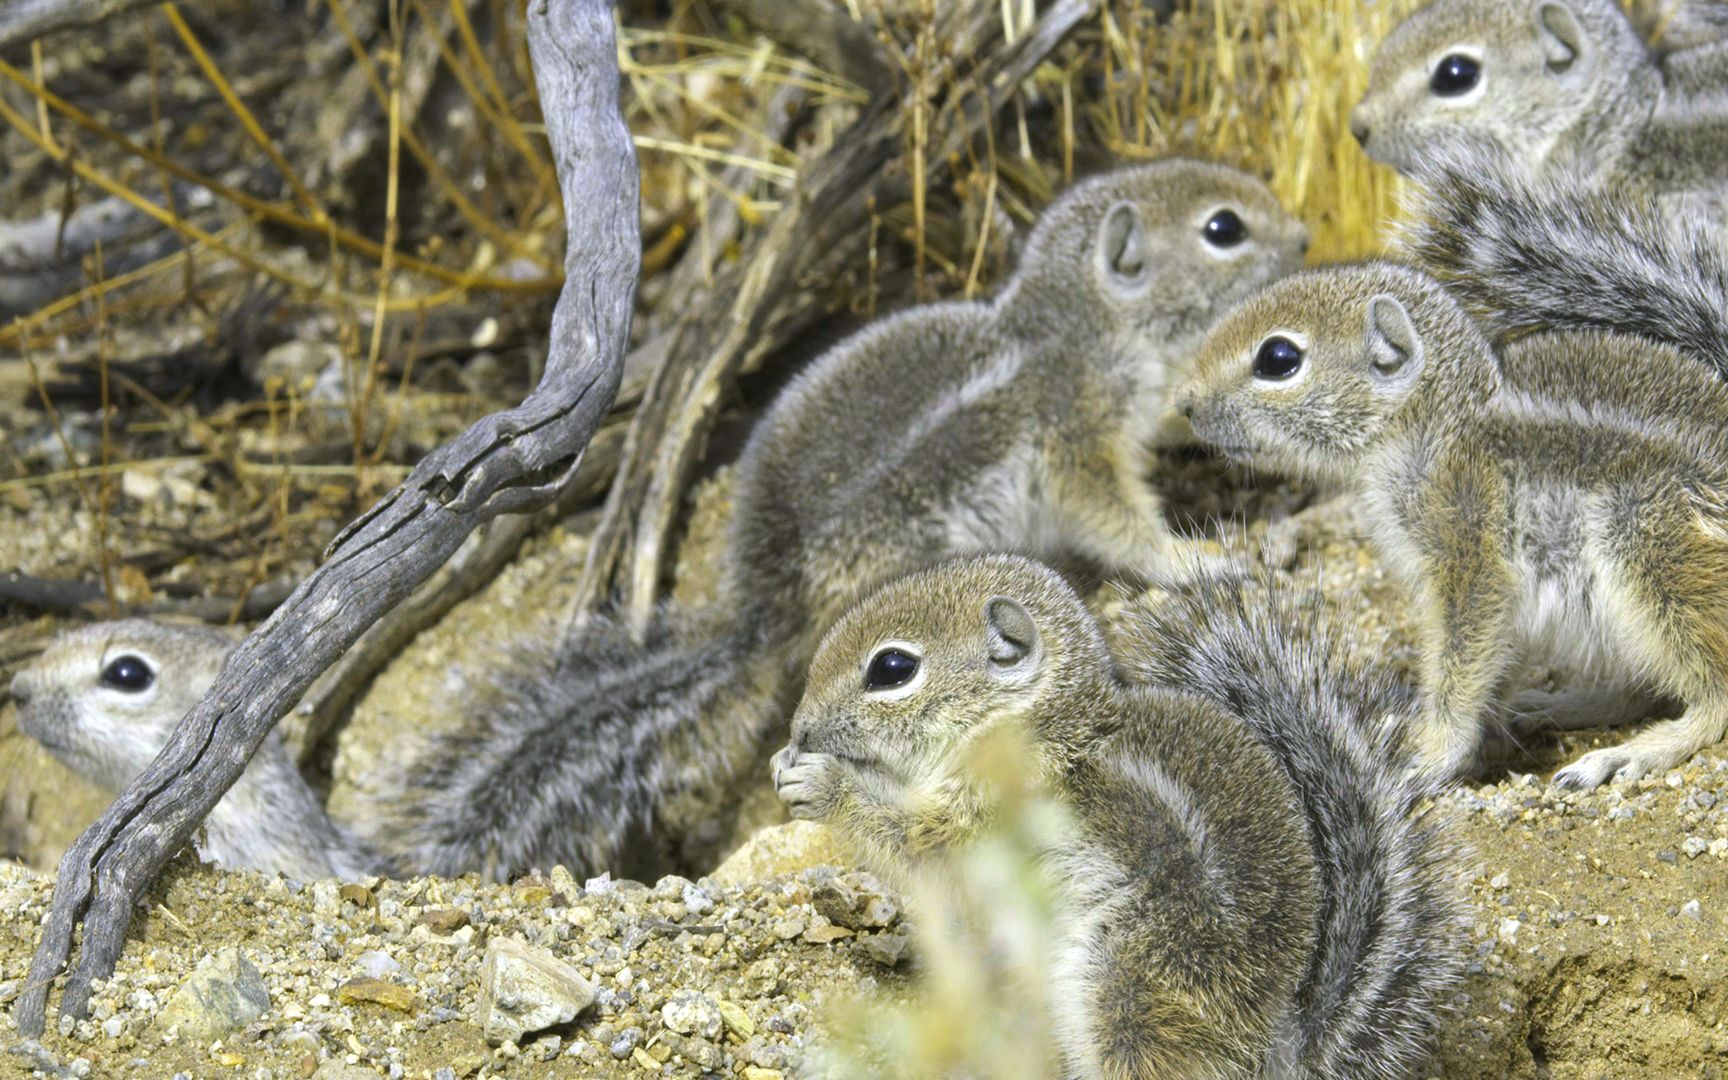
column 258, row 258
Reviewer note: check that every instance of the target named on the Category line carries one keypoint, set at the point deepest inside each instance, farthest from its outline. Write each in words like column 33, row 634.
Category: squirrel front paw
column 805, row 782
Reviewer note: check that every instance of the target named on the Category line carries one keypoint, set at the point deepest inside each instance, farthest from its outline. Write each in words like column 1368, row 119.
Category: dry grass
column 1264, row 85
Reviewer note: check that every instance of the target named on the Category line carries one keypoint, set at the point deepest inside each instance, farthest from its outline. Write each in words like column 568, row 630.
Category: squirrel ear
column 1394, row 347
column 1011, row 636
column 1562, row 35
column 1123, row 253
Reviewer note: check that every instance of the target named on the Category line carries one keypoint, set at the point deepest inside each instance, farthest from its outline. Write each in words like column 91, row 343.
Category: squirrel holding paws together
column 1245, row 890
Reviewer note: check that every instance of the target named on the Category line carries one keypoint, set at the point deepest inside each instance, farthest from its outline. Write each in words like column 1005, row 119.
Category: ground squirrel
column 1566, row 82
column 1244, row 889
column 1016, row 423
column 1567, row 494
column 104, row 698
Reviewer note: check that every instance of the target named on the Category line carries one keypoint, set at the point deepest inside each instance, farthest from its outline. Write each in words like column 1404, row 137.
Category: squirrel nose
column 1359, row 125
column 21, row 687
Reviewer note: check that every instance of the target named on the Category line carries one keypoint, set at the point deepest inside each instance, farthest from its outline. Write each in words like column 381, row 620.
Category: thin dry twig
column 24, row 20
column 273, row 212
column 822, row 33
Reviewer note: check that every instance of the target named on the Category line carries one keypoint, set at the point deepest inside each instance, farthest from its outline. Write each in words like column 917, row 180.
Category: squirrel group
column 1018, row 423
column 1529, row 408
column 1535, row 419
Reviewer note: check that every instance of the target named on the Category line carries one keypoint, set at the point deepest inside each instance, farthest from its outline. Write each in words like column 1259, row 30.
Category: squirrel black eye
column 1225, row 230
column 890, row 668
column 1454, row 75
column 1278, row 359
column 129, row 673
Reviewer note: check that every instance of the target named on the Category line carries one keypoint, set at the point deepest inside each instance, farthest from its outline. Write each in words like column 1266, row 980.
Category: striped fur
column 1530, row 255
column 1016, row 422
column 1390, row 916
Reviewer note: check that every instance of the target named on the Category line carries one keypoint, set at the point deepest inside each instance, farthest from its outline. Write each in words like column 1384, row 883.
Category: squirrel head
column 923, row 669
column 1166, row 247
column 1518, row 75
column 104, row 698
column 1314, row 371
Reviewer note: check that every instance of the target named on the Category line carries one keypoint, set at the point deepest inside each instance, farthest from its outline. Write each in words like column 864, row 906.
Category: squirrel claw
column 797, row 781
column 1599, row 767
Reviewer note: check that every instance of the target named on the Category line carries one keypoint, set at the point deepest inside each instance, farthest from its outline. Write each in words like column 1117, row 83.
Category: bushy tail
column 1391, row 915
column 1556, row 254
column 608, row 755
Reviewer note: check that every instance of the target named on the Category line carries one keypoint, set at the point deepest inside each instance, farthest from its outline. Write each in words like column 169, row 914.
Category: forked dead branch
column 767, row 299
column 510, row 462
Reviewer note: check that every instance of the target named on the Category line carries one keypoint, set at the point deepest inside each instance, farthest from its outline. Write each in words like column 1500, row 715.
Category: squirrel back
column 1008, row 423
column 1556, row 253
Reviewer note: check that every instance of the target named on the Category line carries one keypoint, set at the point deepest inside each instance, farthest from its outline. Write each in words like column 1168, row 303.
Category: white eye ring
column 902, row 690
column 131, row 697
column 1295, row 337
column 1468, row 97
column 1232, row 251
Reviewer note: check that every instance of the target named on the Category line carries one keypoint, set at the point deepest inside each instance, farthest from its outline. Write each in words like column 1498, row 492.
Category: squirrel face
column 103, row 699
column 1169, row 245
column 1516, row 74
column 1309, row 374
column 917, row 671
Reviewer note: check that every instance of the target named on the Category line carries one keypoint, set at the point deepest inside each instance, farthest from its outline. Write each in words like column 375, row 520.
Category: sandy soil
column 1598, row 918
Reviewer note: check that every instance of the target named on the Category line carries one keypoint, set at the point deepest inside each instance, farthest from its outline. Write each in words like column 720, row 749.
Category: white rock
column 697, row 902
column 223, row 994
column 691, row 1013
column 139, row 485
column 297, row 362
column 377, row 964
column 1692, row 909
column 524, row 989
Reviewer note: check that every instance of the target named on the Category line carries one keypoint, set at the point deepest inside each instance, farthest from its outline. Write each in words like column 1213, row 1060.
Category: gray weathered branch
column 766, row 301
column 510, row 462
column 474, row 566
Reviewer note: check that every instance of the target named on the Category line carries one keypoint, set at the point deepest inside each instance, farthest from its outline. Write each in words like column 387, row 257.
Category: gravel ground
column 388, row 978
column 1598, row 946
column 1598, row 951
